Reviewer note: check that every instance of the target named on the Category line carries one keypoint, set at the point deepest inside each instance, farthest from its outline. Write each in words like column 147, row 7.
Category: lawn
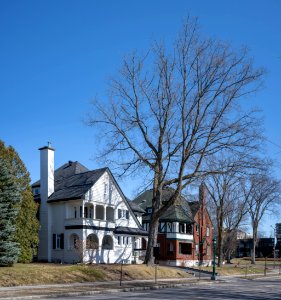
column 240, row 266
column 45, row 273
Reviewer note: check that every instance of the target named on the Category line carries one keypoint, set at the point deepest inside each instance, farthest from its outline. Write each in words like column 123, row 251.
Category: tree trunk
column 228, row 257
column 154, row 222
column 220, row 236
column 152, row 241
column 253, row 258
column 220, row 246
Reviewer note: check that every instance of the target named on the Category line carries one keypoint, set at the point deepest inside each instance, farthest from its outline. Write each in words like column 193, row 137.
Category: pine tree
column 10, row 197
column 27, row 225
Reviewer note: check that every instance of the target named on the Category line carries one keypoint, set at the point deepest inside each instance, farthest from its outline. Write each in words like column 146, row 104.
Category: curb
column 107, row 291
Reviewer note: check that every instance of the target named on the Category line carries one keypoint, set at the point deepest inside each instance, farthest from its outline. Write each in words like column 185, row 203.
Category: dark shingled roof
column 144, row 200
column 136, row 208
column 194, row 206
column 180, row 211
column 72, row 181
column 75, row 186
column 70, row 168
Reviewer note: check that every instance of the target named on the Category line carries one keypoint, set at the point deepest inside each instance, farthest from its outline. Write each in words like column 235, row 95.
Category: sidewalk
column 90, row 288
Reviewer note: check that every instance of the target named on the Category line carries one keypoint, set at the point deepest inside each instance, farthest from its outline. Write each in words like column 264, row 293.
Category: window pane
column 185, row 248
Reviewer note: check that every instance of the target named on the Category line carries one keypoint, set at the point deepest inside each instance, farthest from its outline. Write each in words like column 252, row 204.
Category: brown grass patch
column 39, row 273
column 243, row 266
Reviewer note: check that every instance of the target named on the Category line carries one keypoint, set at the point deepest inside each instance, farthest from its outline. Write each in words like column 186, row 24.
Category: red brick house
column 202, row 229
column 185, row 229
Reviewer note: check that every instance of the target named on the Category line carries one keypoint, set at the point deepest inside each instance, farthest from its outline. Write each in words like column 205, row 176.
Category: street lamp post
column 274, row 235
column 213, row 277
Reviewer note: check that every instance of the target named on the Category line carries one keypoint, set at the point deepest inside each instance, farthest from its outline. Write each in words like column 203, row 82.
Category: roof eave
column 65, row 199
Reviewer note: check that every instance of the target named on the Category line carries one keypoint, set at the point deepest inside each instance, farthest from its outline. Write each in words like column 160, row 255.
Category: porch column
column 83, row 208
column 104, row 207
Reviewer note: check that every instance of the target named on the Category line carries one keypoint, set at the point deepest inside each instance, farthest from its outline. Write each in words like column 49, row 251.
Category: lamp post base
column 213, row 277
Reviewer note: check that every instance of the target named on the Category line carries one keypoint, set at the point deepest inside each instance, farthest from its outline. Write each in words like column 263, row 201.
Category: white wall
column 46, row 189
column 104, row 192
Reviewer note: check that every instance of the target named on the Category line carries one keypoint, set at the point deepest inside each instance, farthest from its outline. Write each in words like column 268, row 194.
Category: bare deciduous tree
column 262, row 192
column 171, row 109
column 235, row 216
column 227, row 201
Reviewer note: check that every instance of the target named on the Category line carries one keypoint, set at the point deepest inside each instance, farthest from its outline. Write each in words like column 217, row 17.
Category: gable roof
column 126, row 200
column 180, row 211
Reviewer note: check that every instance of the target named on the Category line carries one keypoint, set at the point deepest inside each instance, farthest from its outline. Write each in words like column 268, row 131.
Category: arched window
column 74, row 241
column 92, row 242
column 107, row 242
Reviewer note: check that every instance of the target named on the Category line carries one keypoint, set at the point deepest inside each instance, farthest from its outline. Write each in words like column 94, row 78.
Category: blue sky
column 55, row 56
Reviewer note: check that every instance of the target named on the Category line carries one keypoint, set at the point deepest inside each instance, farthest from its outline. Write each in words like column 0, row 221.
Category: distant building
column 264, row 247
column 241, row 234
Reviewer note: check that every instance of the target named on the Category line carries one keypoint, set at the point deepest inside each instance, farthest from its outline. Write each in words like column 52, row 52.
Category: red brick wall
column 165, row 253
column 202, row 218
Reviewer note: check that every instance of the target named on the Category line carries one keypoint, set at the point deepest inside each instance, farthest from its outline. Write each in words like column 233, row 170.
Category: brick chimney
column 202, row 195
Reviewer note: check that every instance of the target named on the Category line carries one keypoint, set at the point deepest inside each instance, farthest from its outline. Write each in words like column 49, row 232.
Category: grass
column 243, row 266
column 39, row 273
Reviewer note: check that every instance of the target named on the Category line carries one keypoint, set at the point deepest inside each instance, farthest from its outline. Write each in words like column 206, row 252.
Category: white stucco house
column 84, row 216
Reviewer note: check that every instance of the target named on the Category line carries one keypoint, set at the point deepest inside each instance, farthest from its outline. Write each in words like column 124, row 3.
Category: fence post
column 121, row 272
column 265, row 266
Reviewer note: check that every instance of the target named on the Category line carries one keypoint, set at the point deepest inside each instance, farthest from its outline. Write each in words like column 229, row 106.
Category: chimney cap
column 49, row 147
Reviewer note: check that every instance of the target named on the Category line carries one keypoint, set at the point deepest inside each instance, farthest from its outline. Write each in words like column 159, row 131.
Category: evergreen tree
column 27, row 225
column 10, row 197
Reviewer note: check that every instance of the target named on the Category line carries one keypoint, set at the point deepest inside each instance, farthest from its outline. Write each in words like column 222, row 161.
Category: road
column 261, row 289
